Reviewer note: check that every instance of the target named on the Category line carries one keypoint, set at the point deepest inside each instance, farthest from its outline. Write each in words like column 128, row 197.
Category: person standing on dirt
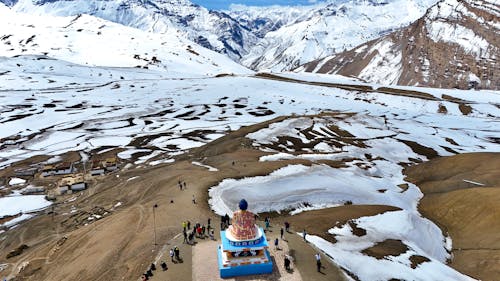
column 191, row 237
column 189, row 225
column 287, row 263
column 194, row 200
column 282, row 232
column 177, row 253
column 185, row 236
column 267, row 223
column 184, row 225
column 318, row 262
column 276, row 241
column 164, row 266
column 287, row 226
column 171, row 255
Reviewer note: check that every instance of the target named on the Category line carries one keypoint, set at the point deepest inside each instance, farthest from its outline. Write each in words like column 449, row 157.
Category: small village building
column 98, row 168
column 26, row 172
column 47, row 170
column 32, row 190
column 74, row 183
column 64, row 168
column 63, row 190
column 111, row 164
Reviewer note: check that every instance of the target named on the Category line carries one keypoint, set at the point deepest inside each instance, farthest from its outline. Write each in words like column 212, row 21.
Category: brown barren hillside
column 468, row 212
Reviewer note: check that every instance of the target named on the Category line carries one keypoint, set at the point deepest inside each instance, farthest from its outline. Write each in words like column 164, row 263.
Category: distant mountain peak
column 322, row 30
column 214, row 30
column 454, row 45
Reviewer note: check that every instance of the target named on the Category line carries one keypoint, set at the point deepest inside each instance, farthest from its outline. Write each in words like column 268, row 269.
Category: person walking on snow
column 304, row 233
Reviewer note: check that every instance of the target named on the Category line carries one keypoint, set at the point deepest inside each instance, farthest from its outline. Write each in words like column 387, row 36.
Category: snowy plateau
column 153, row 83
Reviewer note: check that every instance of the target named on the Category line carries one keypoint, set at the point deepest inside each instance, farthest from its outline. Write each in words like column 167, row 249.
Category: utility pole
column 154, row 222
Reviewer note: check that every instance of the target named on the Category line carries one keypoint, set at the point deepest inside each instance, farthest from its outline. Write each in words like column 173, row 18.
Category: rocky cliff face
column 455, row 45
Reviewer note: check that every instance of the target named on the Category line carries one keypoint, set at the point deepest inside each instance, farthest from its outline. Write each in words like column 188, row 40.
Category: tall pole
column 154, row 222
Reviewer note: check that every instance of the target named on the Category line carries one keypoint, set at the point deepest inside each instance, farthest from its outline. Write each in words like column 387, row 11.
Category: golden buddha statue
column 243, row 224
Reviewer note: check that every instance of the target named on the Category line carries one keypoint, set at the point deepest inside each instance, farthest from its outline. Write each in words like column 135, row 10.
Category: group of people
column 175, row 253
column 182, row 185
column 152, row 267
column 199, row 231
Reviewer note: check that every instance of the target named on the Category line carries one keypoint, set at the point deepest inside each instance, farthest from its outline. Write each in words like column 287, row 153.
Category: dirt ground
column 469, row 213
column 68, row 244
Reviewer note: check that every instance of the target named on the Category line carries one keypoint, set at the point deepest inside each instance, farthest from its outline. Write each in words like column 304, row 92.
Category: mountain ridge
column 211, row 29
column 454, row 45
column 89, row 40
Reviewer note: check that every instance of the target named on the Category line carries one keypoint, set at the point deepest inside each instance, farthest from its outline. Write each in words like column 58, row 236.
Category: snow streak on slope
column 88, row 40
column 331, row 28
column 455, row 45
column 77, row 108
column 211, row 29
column 418, row 235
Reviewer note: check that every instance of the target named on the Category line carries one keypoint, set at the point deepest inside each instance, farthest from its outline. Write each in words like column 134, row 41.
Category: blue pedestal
column 249, row 269
column 246, row 269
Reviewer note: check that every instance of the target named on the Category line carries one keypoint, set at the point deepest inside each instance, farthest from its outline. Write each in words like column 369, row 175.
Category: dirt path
column 177, row 270
column 304, row 260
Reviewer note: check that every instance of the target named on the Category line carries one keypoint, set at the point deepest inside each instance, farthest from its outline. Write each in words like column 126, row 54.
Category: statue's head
column 243, row 205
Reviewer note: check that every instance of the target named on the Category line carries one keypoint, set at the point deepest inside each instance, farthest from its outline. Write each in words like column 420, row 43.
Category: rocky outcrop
column 455, row 45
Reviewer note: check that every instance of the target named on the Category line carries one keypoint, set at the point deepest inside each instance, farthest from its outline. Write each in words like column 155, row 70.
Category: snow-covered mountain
column 455, row 45
column 325, row 29
column 88, row 40
column 211, row 29
column 262, row 20
column 275, row 38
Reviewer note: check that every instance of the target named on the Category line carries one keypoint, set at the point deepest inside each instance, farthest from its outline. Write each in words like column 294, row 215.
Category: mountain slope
column 262, row 20
column 211, row 29
column 88, row 40
column 455, row 45
column 330, row 28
